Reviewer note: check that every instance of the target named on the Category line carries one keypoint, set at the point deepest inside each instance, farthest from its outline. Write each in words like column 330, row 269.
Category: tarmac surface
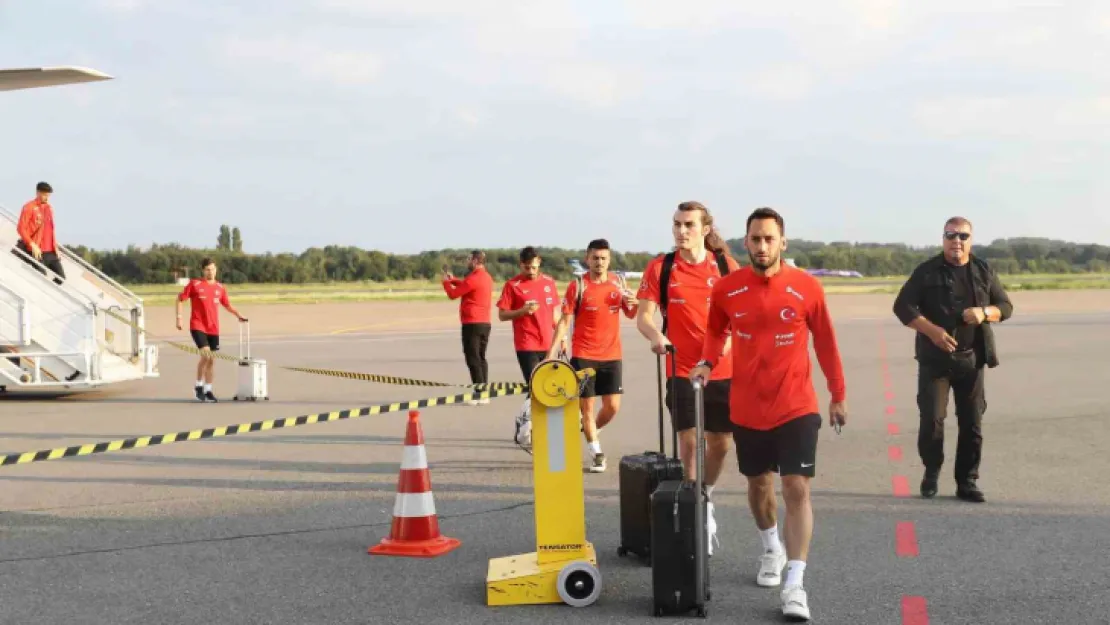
column 273, row 527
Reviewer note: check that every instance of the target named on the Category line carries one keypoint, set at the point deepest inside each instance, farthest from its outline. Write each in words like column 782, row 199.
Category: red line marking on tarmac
column 890, row 409
column 889, row 396
column 892, row 429
column 895, row 453
column 914, row 611
column 905, row 540
column 901, row 486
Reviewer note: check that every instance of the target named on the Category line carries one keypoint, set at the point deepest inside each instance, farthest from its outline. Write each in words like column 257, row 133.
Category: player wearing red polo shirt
column 596, row 340
column 769, row 310
column 698, row 262
column 474, row 314
column 529, row 300
column 204, row 297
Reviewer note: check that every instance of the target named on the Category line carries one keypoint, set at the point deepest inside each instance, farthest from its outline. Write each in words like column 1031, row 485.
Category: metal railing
column 127, row 295
column 36, row 369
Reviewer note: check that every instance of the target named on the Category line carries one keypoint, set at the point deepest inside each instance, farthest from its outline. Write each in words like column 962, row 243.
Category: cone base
column 415, row 548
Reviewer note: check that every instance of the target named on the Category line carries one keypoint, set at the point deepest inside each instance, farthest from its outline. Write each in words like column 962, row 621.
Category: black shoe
column 210, row 397
column 929, row 484
column 969, row 491
column 199, row 390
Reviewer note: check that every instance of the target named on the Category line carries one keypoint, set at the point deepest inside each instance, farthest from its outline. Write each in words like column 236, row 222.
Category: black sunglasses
column 963, row 236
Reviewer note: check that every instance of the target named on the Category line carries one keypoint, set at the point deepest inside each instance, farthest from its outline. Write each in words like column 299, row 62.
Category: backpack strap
column 579, row 284
column 664, row 287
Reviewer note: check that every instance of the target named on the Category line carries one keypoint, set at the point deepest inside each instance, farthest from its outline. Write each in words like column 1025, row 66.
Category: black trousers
column 49, row 259
column 966, row 385
column 475, row 339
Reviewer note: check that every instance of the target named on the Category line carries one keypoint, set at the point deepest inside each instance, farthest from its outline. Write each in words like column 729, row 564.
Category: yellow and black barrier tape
column 140, row 442
column 364, row 377
column 350, row 375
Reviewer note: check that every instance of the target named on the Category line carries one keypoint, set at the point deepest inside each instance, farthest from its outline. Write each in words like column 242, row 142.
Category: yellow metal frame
column 563, row 569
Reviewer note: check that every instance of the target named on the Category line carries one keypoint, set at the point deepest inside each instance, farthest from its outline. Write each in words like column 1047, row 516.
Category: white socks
column 794, row 571
column 207, row 388
column 200, row 382
column 771, row 542
column 709, row 490
column 595, row 447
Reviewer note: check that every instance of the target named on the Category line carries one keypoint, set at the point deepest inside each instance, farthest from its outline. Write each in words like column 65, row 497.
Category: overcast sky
column 404, row 125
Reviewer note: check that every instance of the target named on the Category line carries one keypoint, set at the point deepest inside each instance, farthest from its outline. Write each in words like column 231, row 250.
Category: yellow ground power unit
column 563, row 569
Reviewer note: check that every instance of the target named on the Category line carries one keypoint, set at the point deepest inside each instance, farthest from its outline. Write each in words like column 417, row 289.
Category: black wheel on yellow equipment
column 579, row 584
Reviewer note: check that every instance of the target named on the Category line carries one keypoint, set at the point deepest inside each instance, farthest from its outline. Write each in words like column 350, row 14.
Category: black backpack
column 665, row 281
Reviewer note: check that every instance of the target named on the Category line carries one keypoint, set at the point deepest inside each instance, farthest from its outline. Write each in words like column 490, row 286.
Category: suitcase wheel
column 703, row 612
column 579, row 584
column 622, row 552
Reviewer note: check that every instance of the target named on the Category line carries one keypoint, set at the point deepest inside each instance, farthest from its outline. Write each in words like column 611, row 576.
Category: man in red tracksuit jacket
column 476, row 291
column 770, row 309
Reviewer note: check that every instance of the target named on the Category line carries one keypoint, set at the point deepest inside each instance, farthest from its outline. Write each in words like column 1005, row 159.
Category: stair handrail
column 70, row 254
column 86, row 302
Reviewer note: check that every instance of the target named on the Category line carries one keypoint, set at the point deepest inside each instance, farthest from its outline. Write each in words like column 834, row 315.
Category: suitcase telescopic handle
column 247, row 344
column 670, row 383
column 700, row 536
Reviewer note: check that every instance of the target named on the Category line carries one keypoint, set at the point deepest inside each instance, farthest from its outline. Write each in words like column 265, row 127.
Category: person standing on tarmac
column 951, row 301
column 529, row 299
column 700, row 258
column 769, row 310
column 596, row 341
column 205, row 296
column 474, row 313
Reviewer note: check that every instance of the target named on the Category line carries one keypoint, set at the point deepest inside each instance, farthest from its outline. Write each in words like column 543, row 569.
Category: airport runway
column 273, row 527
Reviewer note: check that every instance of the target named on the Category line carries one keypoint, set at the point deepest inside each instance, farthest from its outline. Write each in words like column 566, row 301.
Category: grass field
column 418, row 290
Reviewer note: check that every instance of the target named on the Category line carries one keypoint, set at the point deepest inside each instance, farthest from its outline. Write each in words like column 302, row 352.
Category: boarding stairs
column 84, row 333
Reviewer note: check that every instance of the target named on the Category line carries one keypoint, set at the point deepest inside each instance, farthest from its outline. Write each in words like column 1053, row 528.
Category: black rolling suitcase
column 640, row 475
column 680, row 560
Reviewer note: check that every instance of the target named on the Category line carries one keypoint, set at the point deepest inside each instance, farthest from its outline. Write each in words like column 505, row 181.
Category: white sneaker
column 523, row 434
column 710, row 528
column 794, row 603
column 770, row 568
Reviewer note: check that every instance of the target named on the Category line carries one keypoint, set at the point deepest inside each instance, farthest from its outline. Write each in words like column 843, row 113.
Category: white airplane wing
column 31, row 78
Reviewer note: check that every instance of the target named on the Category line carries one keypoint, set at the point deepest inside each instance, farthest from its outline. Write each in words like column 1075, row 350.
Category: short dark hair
column 204, row 262
column 527, row 254
column 767, row 213
column 44, row 187
column 479, row 256
column 597, row 244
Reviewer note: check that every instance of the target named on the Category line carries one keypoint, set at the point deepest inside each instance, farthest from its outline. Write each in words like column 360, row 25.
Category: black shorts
column 716, row 395
column 202, row 340
column 607, row 379
column 789, row 449
column 528, row 362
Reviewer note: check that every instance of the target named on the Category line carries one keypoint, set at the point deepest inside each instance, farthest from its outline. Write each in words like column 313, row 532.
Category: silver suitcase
column 252, row 371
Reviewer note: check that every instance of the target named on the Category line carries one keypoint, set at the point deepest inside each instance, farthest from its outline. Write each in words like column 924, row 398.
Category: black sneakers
column 969, row 491
column 203, row 395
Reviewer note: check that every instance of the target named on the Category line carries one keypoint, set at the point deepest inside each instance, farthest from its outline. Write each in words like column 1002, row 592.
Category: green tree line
column 163, row 263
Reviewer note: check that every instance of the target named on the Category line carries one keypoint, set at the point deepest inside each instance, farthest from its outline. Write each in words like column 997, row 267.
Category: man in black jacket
column 951, row 300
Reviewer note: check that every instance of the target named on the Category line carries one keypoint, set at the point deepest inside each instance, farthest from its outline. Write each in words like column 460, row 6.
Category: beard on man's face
column 767, row 262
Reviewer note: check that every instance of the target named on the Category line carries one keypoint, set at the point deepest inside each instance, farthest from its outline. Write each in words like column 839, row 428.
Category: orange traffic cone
column 415, row 530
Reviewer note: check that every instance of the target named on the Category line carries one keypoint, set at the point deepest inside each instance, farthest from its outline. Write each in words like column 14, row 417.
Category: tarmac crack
column 201, row 541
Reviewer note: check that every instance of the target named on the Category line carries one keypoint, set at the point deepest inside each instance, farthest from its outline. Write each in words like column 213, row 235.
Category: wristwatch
column 704, row 363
